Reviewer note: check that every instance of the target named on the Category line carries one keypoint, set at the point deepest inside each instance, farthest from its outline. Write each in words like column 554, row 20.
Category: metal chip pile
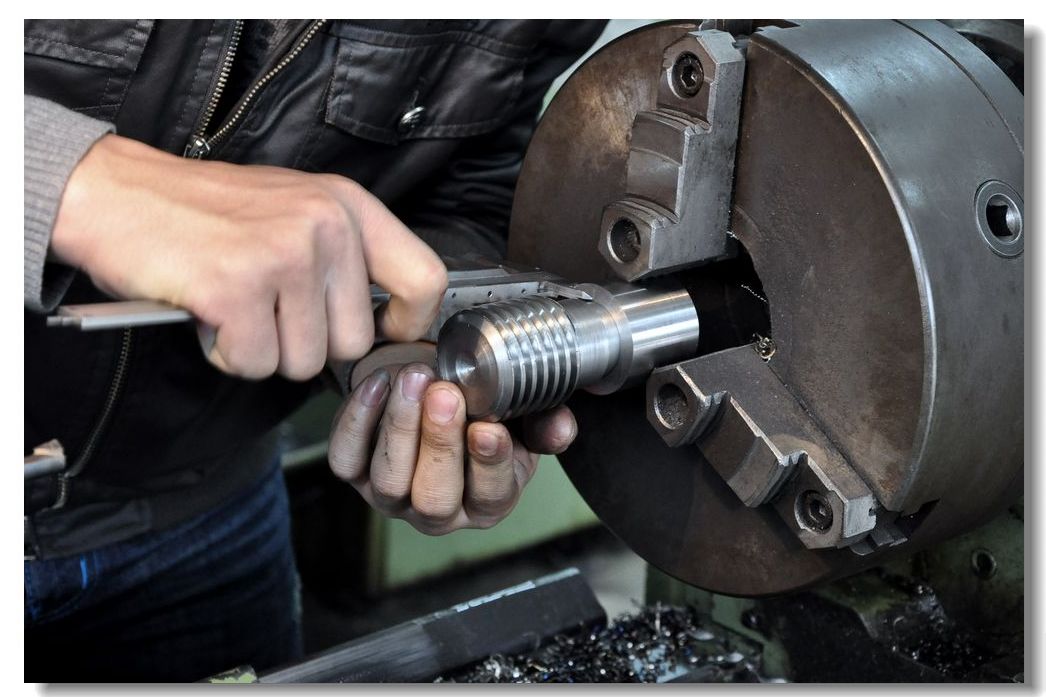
column 658, row 644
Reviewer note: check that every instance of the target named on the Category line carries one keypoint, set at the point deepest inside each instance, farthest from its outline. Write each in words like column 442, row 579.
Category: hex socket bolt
column 514, row 357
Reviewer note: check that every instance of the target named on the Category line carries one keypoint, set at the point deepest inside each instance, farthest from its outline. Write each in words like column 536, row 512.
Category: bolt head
column 688, row 75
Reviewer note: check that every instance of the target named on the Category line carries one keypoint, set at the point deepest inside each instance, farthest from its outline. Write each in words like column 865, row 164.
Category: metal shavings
column 764, row 346
column 656, row 644
column 758, row 297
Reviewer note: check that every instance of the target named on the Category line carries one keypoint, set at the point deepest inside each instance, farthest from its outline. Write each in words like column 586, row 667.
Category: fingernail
column 413, row 384
column 441, row 406
column 374, row 388
column 568, row 431
column 485, row 442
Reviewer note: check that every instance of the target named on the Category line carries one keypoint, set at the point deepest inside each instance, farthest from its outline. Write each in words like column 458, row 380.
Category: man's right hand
column 275, row 264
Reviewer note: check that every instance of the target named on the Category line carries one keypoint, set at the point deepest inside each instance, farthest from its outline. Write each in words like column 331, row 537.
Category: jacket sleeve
column 466, row 208
column 56, row 139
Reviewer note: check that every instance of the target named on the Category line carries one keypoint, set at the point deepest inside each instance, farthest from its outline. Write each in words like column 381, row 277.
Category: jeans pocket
column 56, row 587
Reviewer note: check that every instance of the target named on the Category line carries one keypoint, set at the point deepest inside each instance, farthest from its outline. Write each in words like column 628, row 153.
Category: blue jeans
column 215, row 592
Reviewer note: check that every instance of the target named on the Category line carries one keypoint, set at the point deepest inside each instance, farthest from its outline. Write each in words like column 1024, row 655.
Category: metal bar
column 45, row 459
column 520, row 618
column 117, row 315
column 41, row 465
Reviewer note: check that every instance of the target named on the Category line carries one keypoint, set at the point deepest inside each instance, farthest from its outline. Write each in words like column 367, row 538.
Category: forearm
column 56, row 139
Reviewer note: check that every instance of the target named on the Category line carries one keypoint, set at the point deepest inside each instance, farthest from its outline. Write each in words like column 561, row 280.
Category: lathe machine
column 776, row 269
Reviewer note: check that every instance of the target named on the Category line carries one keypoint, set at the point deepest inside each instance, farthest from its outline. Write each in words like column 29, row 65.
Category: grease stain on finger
column 413, row 384
column 374, row 388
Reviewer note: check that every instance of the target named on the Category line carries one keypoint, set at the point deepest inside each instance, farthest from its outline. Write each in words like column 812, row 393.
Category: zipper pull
column 197, row 148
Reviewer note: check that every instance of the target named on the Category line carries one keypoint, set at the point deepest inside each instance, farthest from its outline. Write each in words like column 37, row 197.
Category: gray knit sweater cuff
column 56, row 139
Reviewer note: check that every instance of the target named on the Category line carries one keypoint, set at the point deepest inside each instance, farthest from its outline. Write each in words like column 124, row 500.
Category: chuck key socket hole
column 624, row 241
column 1004, row 218
column 813, row 511
column 671, row 405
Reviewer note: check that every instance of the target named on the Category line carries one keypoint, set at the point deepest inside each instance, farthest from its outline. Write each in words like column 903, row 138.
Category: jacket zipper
column 197, row 146
column 115, row 389
column 200, row 145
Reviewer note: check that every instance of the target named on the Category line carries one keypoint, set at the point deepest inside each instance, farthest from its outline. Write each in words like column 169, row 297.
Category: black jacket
column 180, row 436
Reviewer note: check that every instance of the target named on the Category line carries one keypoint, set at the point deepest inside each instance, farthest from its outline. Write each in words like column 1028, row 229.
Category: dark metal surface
column 862, row 147
column 893, row 628
column 1002, row 40
column 516, row 619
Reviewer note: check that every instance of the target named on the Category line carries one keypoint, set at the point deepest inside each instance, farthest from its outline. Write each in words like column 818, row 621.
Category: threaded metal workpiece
column 523, row 355
column 510, row 357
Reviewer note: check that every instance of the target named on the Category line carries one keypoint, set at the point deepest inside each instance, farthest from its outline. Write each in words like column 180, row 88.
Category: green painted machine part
column 399, row 555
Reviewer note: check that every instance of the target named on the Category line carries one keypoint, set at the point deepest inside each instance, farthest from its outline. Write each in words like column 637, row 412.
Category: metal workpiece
column 886, row 237
column 655, row 326
column 527, row 354
column 676, row 207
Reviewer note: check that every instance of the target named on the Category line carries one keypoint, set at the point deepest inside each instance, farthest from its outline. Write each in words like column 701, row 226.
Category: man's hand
column 407, row 448
column 276, row 264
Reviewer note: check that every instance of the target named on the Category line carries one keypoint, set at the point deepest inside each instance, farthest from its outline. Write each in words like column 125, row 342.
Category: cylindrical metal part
column 513, row 357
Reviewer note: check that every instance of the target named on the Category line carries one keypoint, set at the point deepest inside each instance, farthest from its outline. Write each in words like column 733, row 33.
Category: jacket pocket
column 394, row 86
column 86, row 65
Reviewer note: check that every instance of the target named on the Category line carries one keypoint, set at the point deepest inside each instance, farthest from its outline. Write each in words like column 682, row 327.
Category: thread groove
column 540, row 343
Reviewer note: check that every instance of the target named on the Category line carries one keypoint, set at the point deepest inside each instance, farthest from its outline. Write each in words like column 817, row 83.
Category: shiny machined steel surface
column 525, row 354
column 866, row 154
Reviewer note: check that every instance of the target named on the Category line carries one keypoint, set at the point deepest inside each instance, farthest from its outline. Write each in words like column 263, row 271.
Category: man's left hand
column 405, row 445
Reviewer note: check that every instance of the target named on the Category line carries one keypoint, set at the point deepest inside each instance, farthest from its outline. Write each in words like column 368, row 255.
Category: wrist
column 91, row 196
column 70, row 238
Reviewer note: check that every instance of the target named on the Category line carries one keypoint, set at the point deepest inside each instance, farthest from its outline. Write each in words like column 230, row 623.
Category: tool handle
column 116, row 315
column 138, row 313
